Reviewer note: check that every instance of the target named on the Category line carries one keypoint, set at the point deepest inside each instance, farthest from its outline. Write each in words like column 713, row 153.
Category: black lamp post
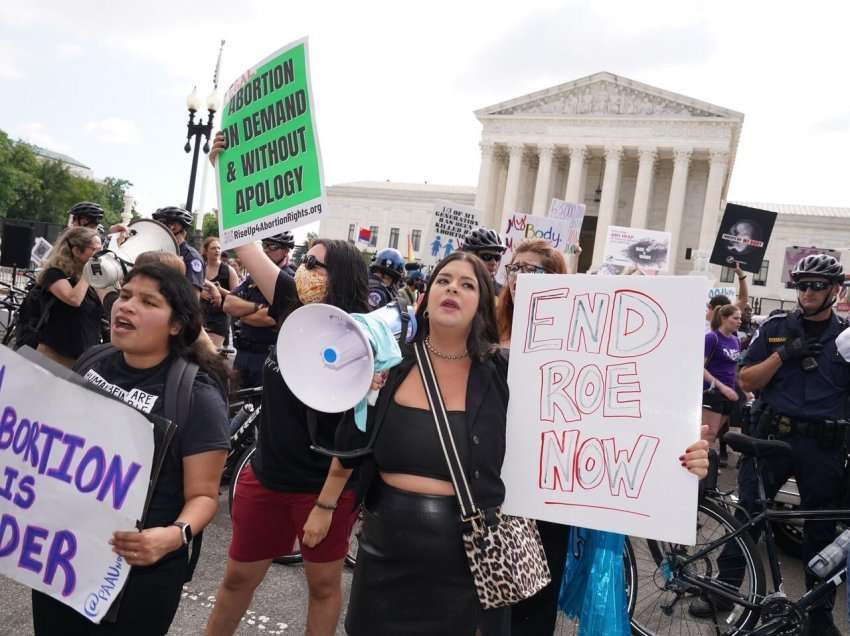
column 197, row 130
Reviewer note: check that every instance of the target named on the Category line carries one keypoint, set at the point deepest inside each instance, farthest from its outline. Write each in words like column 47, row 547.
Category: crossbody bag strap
column 468, row 508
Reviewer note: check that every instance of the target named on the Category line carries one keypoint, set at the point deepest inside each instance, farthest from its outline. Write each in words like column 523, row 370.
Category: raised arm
column 743, row 290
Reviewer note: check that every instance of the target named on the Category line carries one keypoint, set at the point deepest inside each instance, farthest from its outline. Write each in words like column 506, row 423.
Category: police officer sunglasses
column 270, row 246
column 814, row 285
column 489, row 256
column 311, row 262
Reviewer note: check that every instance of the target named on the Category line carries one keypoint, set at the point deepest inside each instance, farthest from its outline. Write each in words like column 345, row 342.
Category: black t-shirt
column 205, row 429
column 248, row 290
column 194, row 265
column 284, row 461
column 71, row 330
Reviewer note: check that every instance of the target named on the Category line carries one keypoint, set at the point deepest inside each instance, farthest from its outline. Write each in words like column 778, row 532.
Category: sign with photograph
column 742, row 238
column 629, row 249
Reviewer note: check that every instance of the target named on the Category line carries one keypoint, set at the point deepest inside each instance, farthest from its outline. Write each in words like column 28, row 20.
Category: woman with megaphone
column 288, row 491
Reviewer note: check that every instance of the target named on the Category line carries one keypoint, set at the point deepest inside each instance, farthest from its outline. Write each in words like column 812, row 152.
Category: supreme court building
column 634, row 154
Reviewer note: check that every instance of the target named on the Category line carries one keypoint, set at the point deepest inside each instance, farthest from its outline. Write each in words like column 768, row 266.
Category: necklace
column 445, row 356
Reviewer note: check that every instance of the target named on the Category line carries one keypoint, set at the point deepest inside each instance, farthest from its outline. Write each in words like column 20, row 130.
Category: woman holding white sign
column 155, row 322
column 537, row 614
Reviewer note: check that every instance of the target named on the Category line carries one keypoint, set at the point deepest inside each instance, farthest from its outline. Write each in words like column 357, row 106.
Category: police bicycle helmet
column 87, row 208
column 284, row 239
column 483, row 239
column 388, row 261
column 173, row 214
column 819, row 265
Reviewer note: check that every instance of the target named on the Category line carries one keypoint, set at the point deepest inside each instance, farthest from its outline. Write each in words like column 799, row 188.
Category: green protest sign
column 270, row 177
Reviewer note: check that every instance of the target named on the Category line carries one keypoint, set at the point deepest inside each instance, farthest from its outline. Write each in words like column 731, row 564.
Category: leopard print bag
column 505, row 553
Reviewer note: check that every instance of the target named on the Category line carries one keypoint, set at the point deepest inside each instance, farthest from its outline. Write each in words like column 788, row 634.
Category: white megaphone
column 110, row 265
column 325, row 357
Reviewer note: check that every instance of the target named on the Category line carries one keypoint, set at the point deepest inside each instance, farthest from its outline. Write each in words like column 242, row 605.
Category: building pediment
column 607, row 95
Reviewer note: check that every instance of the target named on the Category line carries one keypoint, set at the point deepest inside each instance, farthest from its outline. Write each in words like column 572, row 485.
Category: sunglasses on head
column 311, row 262
column 814, row 285
column 487, row 257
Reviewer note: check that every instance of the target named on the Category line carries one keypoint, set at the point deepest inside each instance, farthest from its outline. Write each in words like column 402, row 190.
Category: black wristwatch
column 185, row 531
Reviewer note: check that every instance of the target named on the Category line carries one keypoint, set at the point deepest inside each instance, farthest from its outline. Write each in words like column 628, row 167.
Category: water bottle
column 831, row 557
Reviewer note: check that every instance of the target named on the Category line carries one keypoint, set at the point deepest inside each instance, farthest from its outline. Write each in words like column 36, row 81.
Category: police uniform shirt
column 194, row 265
column 819, row 394
column 248, row 291
column 379, row 294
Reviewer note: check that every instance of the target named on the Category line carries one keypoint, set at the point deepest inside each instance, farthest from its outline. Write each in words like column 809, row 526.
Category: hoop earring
column 425, row 314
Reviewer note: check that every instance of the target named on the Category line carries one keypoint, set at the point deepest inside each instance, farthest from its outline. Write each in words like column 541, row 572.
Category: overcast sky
column 396, row 82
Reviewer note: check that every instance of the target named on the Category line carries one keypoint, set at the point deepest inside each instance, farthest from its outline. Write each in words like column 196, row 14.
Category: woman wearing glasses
column 289, row 491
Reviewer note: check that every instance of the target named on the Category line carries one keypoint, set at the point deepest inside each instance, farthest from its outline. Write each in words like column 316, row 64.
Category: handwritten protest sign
column 270, row 177
column 450, row 223
column 573, row 214
column 629, row 248
column 76, row 468
column 520, row 226
column 605, row 380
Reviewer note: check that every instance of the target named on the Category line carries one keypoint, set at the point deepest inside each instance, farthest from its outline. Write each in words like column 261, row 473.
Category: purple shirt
column 721, row 355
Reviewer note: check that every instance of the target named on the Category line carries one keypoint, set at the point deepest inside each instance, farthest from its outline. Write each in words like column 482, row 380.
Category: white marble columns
column 646, row 164
column 717, row 166
column 575, row 174
column 609, row 200
column 515, row 152
column 676, row 202
column 484, row 195
column 540, row 205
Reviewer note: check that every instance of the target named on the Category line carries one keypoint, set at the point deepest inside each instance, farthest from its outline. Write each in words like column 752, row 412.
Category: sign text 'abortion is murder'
column 270, row 177
column 605, row 381
column 73, row 469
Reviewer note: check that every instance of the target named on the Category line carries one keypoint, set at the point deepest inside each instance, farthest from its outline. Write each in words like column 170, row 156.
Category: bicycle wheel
column 285, row 559
column 661, row 598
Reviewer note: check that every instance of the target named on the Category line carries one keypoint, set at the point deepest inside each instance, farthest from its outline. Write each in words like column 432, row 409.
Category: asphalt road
column 280, row 602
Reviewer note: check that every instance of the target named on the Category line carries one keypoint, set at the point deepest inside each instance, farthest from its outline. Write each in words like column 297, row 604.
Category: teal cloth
column 386, row 352
column 594, row 585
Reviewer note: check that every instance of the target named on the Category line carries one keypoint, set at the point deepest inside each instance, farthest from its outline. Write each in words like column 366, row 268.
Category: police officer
column 257, row 330
column 179, row 220
column 804, row 382
column 487, row 246
column 385, row 273
column 85, row 214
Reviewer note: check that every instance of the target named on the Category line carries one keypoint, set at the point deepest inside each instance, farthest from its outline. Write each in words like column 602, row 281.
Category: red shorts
column 267, row 522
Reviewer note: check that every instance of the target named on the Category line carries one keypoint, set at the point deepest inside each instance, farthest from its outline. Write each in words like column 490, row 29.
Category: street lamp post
column 197, row 130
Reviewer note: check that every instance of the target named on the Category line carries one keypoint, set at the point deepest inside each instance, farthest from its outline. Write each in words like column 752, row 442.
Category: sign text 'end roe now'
column 591, row 435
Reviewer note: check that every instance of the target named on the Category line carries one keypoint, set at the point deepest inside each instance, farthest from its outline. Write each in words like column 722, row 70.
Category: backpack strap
column 177, row 406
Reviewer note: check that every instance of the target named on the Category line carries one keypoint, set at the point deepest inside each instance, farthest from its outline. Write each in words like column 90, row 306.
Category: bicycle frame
column 767, row 514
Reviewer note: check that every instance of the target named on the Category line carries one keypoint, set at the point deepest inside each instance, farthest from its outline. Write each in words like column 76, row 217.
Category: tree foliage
column 33, row 189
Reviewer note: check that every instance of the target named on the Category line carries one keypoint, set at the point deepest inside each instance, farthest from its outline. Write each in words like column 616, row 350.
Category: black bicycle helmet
column 284, row 239
column 483, row 239
column 87, row 208
column 388, row 261
column 173, row 214
column 819, row 265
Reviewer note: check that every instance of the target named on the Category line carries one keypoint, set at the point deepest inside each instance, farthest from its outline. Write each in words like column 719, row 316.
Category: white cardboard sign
column 573, row 214
column 605, row 380
column 520, row 226
column 629, row 247
column 76, row 467
column 450, row 223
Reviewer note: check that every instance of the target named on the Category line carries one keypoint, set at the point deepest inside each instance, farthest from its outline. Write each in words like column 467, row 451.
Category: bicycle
column 670, row 576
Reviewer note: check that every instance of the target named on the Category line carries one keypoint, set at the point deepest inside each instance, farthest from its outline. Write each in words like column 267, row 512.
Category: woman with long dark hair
column 156, row 320
column 74, row 318
column 289, row 491
column 223, row 276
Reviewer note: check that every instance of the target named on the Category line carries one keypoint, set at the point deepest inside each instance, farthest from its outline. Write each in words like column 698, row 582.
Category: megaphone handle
column 372, row 396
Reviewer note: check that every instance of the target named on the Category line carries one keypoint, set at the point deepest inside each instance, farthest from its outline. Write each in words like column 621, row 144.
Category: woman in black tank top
column 223, row 276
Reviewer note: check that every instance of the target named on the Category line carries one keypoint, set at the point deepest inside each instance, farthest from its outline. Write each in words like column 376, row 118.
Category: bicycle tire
column 293, row 557
column 661, row 609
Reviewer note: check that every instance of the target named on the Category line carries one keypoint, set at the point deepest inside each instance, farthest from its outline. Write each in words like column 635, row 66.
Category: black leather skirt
column 412, row 576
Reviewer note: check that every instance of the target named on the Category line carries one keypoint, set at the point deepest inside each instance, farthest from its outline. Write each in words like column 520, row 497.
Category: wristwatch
column 185, row 531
